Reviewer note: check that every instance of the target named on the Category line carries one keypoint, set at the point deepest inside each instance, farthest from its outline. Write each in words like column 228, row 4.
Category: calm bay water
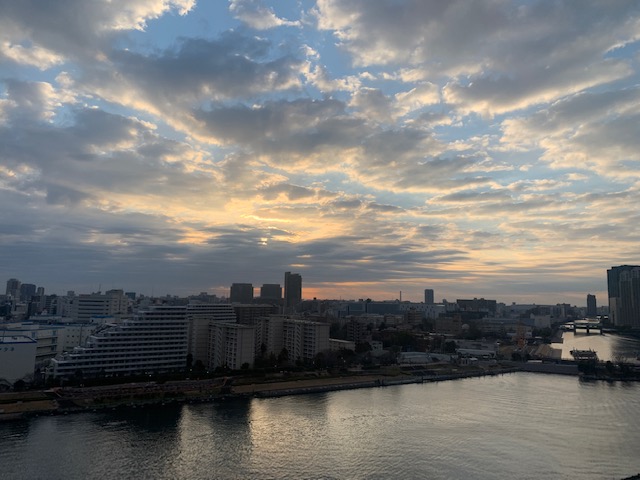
column 608, row 347
column 511, row 426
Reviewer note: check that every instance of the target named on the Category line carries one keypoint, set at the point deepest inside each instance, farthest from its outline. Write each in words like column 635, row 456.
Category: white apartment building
column 269, row 332
column 75, row 335
column 85, row 306
column 46, row 337
column 17, row 357
column 201, row 316
column 154, row 340
column 231, row 345
column 304, row 339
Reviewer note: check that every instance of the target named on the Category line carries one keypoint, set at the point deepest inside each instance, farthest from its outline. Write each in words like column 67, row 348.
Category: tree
column 19, row 385
column 319, row 360
column 450, row 347
column 245, row 366
column 283, row 357
column 198, row 367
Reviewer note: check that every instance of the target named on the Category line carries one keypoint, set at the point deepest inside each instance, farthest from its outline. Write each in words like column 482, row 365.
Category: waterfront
column 516, row 425
column 608, row 346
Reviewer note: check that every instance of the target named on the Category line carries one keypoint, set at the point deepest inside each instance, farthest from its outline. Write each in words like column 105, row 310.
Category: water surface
column 526, row 426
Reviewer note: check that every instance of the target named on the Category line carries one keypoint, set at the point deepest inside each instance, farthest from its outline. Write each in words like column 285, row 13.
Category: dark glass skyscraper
column 624, row 296
column 592, row 307
column 292, row 290
column 241, row 293
column 271, row 291
column 428, row 296
column 13, row 288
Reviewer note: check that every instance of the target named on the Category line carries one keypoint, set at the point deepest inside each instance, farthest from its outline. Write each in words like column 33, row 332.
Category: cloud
column 497, row 56
column 194, row 74
column 75, row 28
column 375, row 146
column 592, row 131
column 257, row 15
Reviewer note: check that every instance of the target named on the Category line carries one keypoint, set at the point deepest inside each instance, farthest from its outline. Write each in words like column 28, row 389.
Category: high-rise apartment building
column 201, row 316
column 592, row 306
column 248, row 314
column 271, row 292
column 231, row 345
column 292, row 290
column 241, row 293
column 13, row 288
column 155, row 340
column 112, row 303
column 27, row 290
column 624, row 295
column 428, row 296
column 304, row 339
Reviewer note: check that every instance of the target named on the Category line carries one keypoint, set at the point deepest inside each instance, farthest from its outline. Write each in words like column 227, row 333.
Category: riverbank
column 132, row 395
column 18, row 405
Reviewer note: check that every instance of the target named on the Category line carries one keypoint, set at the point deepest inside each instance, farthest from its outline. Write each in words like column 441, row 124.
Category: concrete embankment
column 69, row 400
column 554, row 368
column 354, row 383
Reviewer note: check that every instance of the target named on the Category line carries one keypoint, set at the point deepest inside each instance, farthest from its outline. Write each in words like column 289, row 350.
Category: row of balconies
column 72, row 366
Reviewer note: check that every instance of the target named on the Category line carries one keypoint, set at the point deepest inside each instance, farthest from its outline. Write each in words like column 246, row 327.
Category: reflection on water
column 509, row 426
column 608, row 346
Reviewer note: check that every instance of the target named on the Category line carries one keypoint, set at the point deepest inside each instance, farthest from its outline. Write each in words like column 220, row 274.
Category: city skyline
column 479, row 149
column 258, row 295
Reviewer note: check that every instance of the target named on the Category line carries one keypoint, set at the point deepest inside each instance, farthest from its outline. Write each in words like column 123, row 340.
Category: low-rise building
column 17, row 357
column 46, row 337
column 337, row 344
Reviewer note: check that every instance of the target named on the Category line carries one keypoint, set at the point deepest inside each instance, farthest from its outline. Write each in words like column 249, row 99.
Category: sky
column 481, row 149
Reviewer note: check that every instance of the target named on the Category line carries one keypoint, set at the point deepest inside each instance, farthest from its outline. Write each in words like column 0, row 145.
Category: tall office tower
column 13, row 288
column 27, row 290
column 292, row 290
column 428, row 296
column 271, row 292
column 624, row 295
column 241, row 293
column 592, row 306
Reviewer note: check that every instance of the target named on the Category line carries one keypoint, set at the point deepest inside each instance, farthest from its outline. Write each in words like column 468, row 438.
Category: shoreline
column 63, row 401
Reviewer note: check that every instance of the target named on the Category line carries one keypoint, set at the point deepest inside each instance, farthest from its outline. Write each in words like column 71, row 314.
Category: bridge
column 587, row 325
